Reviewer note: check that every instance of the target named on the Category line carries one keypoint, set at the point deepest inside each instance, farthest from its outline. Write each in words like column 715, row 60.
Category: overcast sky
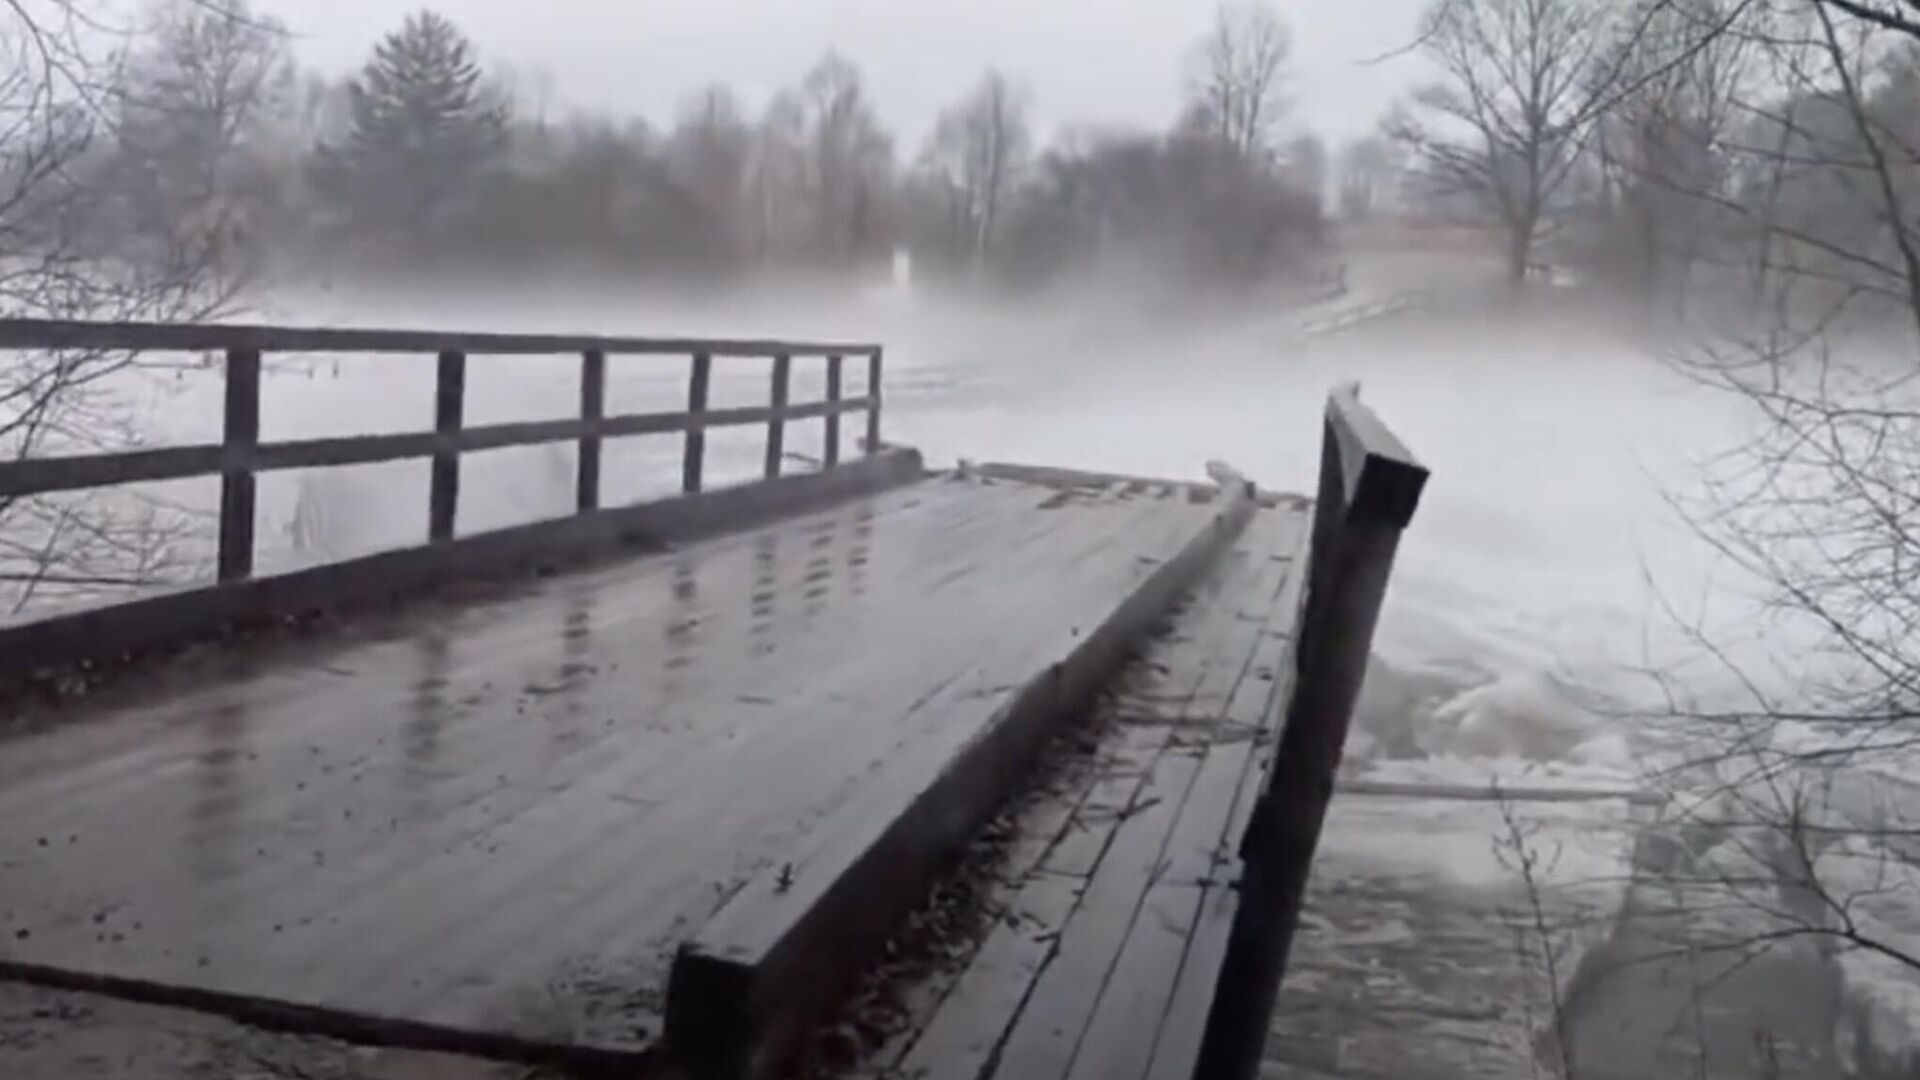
column 1101, row 62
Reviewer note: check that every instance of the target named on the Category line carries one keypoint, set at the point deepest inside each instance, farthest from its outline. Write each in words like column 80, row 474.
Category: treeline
column 1725, row 149
column 221, row 146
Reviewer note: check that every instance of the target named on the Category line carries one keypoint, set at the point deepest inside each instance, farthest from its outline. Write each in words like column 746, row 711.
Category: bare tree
column 1369, row 177
column 1522, row 85
column 69, row 249
column 710, row 154
column 1798, row 824
column 978, row 152
column 1304, row 162
column 1664, row 143
column 777, row 181
column 1238, row 70
column 193, row 104
column 848, row 157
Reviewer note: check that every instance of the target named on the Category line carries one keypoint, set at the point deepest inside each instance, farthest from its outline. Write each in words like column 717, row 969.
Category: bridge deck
column 1105, row 897
column 498, row 818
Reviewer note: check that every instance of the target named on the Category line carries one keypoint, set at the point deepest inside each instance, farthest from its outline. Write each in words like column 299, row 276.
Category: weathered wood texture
column 242, row 455
column 593, row 409
column 875, row 361
column 694, row 463
column 1370, row 486
column 39, row 475
column 830, row 451
column 1117, row 881
column 745, row 989
column 135, row 336
column 490, row 823
column 1089, row 480
column 169, row 619
column 449, row 407
column 1143, row 902
column 241, row 435
column 777, row 427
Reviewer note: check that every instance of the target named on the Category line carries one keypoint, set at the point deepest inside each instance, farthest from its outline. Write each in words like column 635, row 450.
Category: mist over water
column 1546, row 542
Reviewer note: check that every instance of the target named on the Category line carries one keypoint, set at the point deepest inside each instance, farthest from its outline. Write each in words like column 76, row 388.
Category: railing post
column 1369, row 488
column 873, row 401
column 694, row 462
column 593, row 407
column 831, row 451
column 241, row 437
column 448, row 406
column 777, row 427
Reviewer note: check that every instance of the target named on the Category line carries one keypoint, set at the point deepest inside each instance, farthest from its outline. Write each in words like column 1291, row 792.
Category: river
column 1546, row 573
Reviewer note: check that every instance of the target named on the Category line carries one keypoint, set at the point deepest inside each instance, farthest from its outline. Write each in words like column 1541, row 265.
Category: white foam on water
column 1545, row 567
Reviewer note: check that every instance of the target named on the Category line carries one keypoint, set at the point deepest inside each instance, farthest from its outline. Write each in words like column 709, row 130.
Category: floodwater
column 1545, row 575
column 1544, row 541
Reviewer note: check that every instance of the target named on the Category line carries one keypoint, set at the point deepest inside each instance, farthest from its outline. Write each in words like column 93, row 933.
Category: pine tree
column 423, row 130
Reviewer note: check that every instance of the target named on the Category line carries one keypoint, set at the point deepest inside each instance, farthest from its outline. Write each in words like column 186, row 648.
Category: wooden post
column 1369, row 489
column 831, row 452
column 241, row 437
column 448, row 406
column 777, row 427
column 694, row 462
column 873, row 402
column 593, row 407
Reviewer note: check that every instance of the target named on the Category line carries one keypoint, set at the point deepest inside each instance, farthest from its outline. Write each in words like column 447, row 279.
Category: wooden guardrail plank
column 35, row 476
column 241, row 456
column 694, row 461
column 874, row 363
column 159, row 623
column 449, row 406
column 242, row 435
column 593, row 408
column 777, row 425
column 830, row 451
column 742, row 991
column 1370, row 486
column 57, row 334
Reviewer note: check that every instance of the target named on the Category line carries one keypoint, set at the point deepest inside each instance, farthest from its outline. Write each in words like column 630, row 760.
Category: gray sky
column 1105, row 62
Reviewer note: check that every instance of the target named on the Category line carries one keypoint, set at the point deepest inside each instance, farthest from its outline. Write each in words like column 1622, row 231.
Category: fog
column 1088, row 62
column 1547, row 542
column 1129, row 238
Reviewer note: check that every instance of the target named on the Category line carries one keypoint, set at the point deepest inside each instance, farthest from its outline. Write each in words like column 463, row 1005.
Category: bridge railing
column 241, row 454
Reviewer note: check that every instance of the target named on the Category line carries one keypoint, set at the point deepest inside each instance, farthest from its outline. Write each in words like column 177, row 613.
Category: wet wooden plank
column 1177, row 1048
column 973, row 1020
column 1096, row 1011
column 1161, row 990
column 33, row 476
column 593, row 408
column 240, row 438
column 1126, row 1024
column 1087, row 988
column 429, row 739
column 61, row 334
column 490, row 823
column 1369, row 489
column 1046, row 1035
column 795, row 772
column 473, row 669
column 744, row 989
column 169, row 619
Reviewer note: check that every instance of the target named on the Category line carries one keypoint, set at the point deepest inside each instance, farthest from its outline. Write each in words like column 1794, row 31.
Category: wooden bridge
column 1012, row 771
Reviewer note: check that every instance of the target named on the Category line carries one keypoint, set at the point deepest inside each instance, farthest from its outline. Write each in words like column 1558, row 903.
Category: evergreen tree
column 423, row 131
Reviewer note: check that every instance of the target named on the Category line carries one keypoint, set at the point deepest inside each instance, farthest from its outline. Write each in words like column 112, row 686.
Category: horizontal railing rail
column 241, row 454
column 220, row 337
